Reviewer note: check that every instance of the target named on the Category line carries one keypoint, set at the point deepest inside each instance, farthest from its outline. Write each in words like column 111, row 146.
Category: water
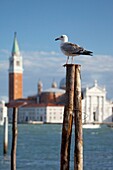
column 39, row 148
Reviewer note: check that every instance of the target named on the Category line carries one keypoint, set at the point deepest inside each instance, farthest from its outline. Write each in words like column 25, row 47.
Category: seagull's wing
column 71, row 48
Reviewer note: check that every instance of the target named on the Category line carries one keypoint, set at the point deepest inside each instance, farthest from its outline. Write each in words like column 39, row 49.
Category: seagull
column 70, row 49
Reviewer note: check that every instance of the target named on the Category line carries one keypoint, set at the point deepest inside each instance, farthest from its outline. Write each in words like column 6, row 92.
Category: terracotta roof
column 25, row 104
column 16, row 104
column 40, row 105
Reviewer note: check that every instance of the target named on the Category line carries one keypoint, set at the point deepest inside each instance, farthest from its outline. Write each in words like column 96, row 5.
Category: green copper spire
column 15, row 49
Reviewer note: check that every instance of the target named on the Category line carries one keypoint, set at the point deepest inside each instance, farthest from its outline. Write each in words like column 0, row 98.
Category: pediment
column 96, row 90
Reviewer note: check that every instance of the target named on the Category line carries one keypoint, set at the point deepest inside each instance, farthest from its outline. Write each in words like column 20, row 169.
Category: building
column 45, row 113
column 95, row 107
column 15, row 72
column 3, row 112
column 51, row 95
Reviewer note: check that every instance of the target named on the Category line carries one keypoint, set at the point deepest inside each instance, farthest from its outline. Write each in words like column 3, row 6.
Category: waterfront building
column 45, row 113
column 3, row 112
column 95, row 107
column 15, row 72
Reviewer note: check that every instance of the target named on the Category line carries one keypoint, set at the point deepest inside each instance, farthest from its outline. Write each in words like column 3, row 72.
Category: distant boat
column 35, row 122
column 91, row 126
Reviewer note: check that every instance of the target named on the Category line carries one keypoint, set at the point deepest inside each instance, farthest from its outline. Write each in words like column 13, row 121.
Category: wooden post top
column 70, row 65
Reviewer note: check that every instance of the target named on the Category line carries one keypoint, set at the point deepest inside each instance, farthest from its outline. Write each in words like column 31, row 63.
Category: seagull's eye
column 61, row 36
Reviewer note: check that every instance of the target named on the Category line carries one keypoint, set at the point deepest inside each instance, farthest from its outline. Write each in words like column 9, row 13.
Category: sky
column 88, row 23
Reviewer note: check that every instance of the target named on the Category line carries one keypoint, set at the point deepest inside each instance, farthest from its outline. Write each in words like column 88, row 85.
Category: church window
column 94, row 116
column 18, row 63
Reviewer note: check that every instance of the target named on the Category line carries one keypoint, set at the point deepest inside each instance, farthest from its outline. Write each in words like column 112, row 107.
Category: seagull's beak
column 57, row 39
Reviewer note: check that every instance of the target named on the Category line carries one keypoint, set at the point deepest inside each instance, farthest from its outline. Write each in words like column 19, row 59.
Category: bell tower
column 15, row 72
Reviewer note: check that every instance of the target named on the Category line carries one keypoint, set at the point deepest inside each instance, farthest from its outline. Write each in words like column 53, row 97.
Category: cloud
column 42, row 65
column 5, row 98
column 46, row 62
column 48, row 65
column 4, row 65
column 42, row 59
column 43, row 62
column 98, row 63
column 99, row 68
column 4, row 52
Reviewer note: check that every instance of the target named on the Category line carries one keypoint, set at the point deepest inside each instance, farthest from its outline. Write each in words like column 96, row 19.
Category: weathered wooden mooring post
column 68, row 118
column 72, row 107
column 78, row 153
column 15, row 133
column 14, row 139
column 5, row 139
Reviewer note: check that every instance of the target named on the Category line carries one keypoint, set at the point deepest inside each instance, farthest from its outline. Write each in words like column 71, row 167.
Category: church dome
column 63, row 83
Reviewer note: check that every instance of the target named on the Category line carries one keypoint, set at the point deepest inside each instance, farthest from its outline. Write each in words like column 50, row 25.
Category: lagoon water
column 39, row 148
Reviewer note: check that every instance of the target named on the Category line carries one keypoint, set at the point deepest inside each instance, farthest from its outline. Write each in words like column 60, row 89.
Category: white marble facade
column 95, row 106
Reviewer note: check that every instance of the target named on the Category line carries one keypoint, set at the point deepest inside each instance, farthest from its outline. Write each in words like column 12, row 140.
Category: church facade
column 95, row 107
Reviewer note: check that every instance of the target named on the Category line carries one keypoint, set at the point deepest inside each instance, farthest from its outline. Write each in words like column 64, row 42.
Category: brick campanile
column 15, row 72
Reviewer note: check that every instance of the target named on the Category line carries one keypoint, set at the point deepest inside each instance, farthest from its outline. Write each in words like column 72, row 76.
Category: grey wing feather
column 71, row 48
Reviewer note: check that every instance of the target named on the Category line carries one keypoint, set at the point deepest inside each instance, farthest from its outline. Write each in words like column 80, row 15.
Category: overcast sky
column 37, row 23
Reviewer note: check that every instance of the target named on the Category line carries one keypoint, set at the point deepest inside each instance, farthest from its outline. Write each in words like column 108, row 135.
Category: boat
column 35, row 122
column 91, row 126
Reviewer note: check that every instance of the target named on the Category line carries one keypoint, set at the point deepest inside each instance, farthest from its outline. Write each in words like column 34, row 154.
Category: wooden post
column 5, row 141
column 68, row 118
column 14, row 139
column 78, row 155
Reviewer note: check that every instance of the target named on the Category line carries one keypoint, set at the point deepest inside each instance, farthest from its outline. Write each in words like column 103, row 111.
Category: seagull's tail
column 85, row 52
